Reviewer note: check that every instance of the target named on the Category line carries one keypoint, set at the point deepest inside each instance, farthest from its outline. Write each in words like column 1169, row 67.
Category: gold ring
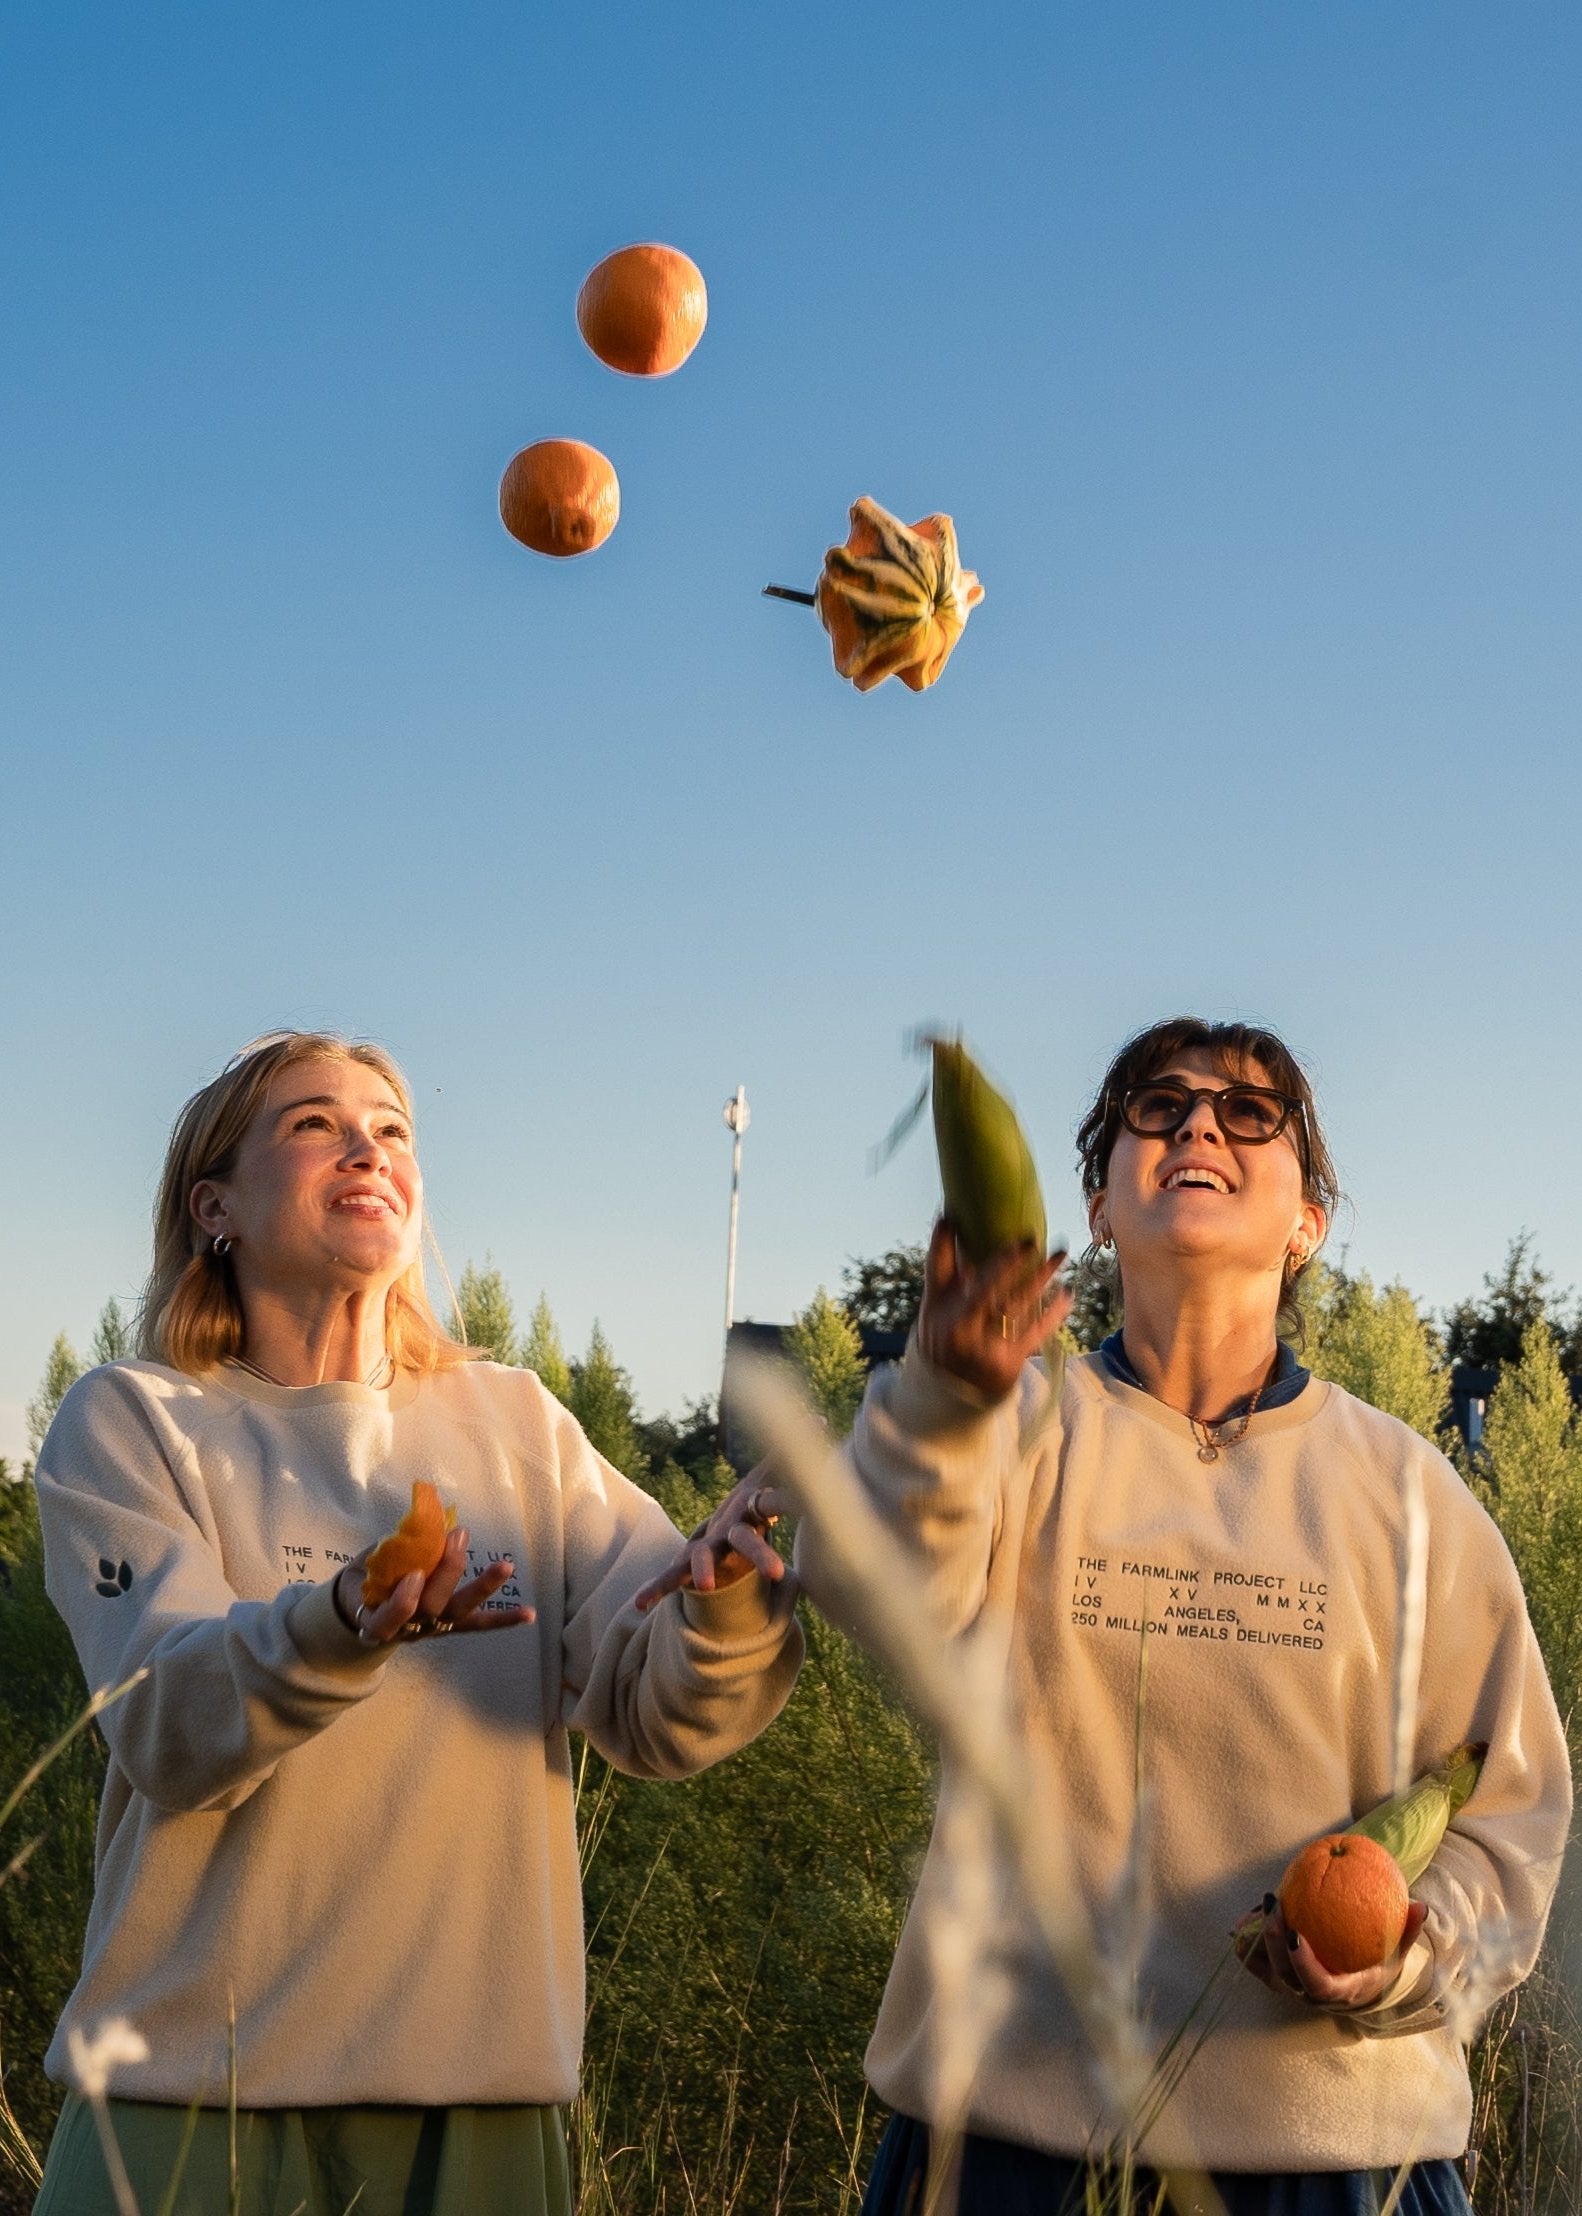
column 767, row 1517
column 1005, row 1325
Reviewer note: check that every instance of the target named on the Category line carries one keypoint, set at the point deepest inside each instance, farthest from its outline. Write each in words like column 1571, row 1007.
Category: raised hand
column 730, row 1545
column 981, row 1323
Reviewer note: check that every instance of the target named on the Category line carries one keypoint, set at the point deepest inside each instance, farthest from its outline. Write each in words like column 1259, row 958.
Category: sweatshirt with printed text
column 371, row 1851
column 1271, row 1584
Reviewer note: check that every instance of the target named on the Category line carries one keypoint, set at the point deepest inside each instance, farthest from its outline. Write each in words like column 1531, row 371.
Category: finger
column 496, row 1619
column 1353, row 1989
column 384, row 1622
column 669, row 1581
column 943, row 1262
column 1034, row 1305
column 701, row 1554
column 445, row 1576
column 749, row 1542
column 1416, row 1917
column 1010, row 1272
column 478, row 1589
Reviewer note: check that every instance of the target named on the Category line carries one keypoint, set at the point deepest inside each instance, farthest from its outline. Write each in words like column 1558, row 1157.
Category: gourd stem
column 789, row 592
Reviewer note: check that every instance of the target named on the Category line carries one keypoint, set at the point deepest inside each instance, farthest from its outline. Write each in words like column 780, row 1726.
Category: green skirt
column 316, row 2161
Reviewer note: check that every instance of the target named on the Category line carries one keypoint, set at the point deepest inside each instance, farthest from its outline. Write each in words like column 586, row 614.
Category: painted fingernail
column 1268, row 1904
column 1293, row 1940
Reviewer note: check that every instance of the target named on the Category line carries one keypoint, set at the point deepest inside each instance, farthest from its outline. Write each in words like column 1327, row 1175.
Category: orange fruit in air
column 643, row 310
column 416, row 1543
column 560, row 497
column 1347, row 1897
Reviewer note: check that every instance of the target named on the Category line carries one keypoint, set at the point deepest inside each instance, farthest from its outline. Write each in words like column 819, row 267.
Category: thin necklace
column 381, row 1373
column 1212, row 1436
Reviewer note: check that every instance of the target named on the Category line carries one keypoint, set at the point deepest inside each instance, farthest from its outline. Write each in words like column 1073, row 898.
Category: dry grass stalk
column 961, row 1695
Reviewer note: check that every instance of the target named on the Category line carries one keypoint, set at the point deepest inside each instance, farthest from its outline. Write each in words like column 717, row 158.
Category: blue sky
column 1243, row 343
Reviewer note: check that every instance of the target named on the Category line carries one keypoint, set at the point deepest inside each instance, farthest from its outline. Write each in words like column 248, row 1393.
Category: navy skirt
column 999, row 2179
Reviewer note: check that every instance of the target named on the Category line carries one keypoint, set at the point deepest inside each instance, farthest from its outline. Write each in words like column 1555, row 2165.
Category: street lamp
column 737, row 1118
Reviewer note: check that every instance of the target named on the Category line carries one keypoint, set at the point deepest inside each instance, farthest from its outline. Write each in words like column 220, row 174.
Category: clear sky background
column 1244, row 344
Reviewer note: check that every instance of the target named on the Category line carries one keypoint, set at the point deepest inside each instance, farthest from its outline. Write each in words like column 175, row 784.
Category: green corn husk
column 1412, row 1824
column 993, row 1199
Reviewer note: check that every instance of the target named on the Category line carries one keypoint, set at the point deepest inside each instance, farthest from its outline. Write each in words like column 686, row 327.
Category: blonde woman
column 346, row 1828
column 1196, row 1478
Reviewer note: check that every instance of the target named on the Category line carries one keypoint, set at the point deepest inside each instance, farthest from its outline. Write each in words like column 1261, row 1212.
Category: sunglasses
column 1252, row 1115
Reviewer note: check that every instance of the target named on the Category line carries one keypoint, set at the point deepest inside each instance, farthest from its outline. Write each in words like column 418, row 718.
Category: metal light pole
column 737, row 1118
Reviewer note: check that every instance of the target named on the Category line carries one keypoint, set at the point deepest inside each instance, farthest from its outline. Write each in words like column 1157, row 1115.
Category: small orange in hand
column 1347, row 1897
column 560, row 497
column 416, row 1543
column 643, row 309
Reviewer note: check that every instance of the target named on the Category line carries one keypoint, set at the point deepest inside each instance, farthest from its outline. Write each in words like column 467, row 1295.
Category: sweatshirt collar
column 1294, row 1398
column 1288, row 1383
column 227, row 1377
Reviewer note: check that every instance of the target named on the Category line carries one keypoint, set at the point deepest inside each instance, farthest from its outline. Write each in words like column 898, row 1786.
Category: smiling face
column 325, row 1190
column 1194, row 1198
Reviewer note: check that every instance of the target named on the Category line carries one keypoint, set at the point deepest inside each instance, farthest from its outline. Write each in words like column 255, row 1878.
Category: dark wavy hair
column 1238, row 1051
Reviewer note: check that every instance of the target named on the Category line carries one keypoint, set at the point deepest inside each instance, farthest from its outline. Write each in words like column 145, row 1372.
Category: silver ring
column 362, row 1611
column 758, row 1514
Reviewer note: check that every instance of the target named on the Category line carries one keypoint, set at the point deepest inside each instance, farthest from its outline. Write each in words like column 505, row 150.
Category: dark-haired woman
column 337, row 1860
column 1196, row 1478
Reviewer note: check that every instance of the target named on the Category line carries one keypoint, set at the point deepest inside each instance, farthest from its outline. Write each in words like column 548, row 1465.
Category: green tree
column 886, row 1292
column 543, row 1353
column 601, row 1400
column 18, row 1515
column 112, row 1335
column 1490, row 1332
column 483, row 1315
column 1376, row 1345
column 1528, row 1472
column 691, row 1441
column 825, row 1346
column 61, row 1372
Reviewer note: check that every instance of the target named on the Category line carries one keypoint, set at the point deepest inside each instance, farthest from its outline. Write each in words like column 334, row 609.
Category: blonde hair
column 191, row 1314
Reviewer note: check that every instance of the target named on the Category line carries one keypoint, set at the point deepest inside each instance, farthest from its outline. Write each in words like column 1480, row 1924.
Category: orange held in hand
column 1347, row 1897
column 560, row 497
column 642, row 311
column 416, row 1543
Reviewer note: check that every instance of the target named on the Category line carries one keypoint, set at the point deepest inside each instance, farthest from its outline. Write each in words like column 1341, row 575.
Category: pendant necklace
column 381, row 1373
column 1212, row 1436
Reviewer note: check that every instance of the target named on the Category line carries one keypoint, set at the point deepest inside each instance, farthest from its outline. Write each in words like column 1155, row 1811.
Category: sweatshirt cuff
column 322, row 1639
column 1407, row 2003
column 741, row 1611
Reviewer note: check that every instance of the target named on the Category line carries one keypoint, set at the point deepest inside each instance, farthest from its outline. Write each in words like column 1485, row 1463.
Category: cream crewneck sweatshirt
column 373, row 1850
column 1271, row 1580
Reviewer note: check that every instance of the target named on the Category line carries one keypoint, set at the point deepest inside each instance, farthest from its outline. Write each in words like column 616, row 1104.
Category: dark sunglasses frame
column 1190, row 1095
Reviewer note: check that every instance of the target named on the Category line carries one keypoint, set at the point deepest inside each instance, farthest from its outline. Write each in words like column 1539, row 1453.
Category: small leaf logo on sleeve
column 115, row 1578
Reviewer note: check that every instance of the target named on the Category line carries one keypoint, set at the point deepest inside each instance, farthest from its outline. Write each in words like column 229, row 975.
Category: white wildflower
column 92, row 2059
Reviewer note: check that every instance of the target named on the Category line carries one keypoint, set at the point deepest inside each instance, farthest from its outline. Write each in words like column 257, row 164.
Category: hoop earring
column 1102, row 1237
column 220, row 1246
column 1297, row 1259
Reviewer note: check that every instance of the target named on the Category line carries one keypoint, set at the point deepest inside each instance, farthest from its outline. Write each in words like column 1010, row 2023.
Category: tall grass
column 741, row 1926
